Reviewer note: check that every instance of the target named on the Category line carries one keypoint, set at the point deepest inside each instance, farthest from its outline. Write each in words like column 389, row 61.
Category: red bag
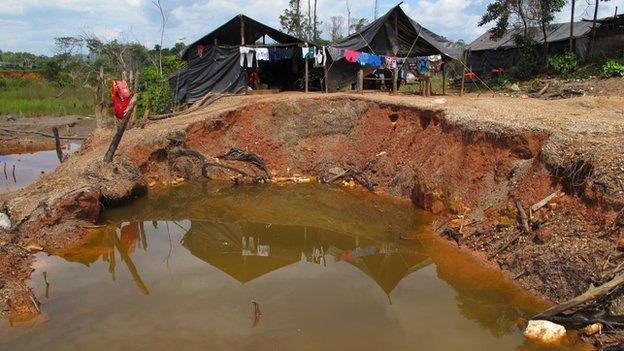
column 121, row 97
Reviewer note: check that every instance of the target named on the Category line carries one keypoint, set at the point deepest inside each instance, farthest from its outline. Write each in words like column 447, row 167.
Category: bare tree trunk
column 593, row 37
column 348, row 17
column 309, row 20
column 572, row 26
column 164, row 18
column 121, row 128
column 315, row 24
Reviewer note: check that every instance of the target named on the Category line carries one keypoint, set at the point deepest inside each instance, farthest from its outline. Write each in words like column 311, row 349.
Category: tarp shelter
column 393, row 34
column 487, row 53
column 214, row 65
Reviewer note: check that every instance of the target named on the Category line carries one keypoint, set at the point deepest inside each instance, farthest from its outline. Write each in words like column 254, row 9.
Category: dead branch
column 358, row 176
column 39, row 133
column 591, row 295
column 543, row 202
column 248, row 157
column 522, row 218
column 180, row 151
column 504, row 247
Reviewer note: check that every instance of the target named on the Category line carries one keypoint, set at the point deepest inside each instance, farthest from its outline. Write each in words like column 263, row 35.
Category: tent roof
column 382, row 37
column 558, row 32
column 229, row 34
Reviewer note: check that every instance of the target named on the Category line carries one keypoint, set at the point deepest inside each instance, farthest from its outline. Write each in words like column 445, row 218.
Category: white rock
column 439, row 101
column 5, row 222
column 544, row 332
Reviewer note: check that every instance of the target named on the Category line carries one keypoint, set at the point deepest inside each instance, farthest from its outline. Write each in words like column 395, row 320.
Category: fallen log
column 180, row 151
column 591, row 295
column 358, row 176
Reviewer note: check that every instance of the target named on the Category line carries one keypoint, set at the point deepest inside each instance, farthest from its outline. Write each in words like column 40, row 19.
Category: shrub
column 527, row 65
column 564, row 64
column 612, row 68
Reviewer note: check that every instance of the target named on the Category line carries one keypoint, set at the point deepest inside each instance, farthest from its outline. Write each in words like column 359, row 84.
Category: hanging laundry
column 335, row 53
column 273, row 54
column 362, row 58
column 351, row 56
column 308, row 53
column 391, row 62
column 423, row 65
column 200, row 50
column 262, row 54
column 287, row 53
column 247, row 54
column 435, row 63
column 412, row 63
column 320, row 58
column 374, row 60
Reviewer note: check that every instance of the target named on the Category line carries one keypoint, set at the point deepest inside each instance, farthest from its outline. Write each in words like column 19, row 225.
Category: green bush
column 612, row 68
column 527, row 65
column 564, row 64
column 155, row 91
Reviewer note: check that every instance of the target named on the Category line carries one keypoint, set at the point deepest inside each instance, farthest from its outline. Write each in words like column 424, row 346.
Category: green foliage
column 536, row 85
column 41, row 98
column 500, row 82
column 155, row 90
column 564, row 64
column 527, row 65
column 612, row 68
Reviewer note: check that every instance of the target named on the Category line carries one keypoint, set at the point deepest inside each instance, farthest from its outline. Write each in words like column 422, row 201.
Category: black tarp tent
column 213, row 62
column 394, row 33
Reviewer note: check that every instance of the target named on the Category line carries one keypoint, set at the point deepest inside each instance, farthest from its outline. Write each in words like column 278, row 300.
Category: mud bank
column 471, row 171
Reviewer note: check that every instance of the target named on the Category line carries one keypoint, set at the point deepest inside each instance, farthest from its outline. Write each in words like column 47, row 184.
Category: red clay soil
column 446, row 163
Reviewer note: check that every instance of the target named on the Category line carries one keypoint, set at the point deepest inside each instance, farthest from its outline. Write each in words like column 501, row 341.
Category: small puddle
column 20, row 170
column 324, row 267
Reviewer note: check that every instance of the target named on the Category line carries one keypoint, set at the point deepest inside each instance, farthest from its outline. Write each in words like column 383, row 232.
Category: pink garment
column 351, row 56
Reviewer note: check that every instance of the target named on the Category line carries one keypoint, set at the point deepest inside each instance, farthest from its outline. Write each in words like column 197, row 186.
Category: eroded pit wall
column 448, row 166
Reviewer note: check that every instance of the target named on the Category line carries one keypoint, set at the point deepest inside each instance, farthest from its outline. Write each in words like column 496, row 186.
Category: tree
column 358, row 24
column 163, row 24
column 506, row 14
column 572, row 26
column 544, row 13
column 348, row 17
column 336, row 28
column 292, row 20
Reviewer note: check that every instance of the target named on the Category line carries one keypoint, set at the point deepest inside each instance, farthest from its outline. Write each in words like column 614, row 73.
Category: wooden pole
column 572, row 26
column 242, row 29
column 395, row 79
column 57, row 144
column 306, row 72
column 463, row 78
column 360, row 81
column 326, row 79
column 443, row 79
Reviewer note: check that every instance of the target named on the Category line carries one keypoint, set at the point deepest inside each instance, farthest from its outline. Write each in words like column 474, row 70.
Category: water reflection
column 19, row 170
column 324, row 264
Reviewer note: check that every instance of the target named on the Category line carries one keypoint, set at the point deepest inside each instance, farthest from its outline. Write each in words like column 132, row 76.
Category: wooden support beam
column 443, row 79
column 463, row 78
column 242, row 29
column 360, row 81
column 307, row 74
column 395, row 81
column 326, row 79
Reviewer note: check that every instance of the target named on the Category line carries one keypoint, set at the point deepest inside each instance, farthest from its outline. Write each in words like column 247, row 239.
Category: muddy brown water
column 207, row 266
column 28, row 167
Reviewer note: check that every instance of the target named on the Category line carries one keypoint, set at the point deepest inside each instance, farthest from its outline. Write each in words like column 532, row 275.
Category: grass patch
column 26, row 97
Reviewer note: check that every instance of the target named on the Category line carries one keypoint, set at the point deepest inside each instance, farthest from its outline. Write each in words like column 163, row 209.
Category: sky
column 32, row 25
